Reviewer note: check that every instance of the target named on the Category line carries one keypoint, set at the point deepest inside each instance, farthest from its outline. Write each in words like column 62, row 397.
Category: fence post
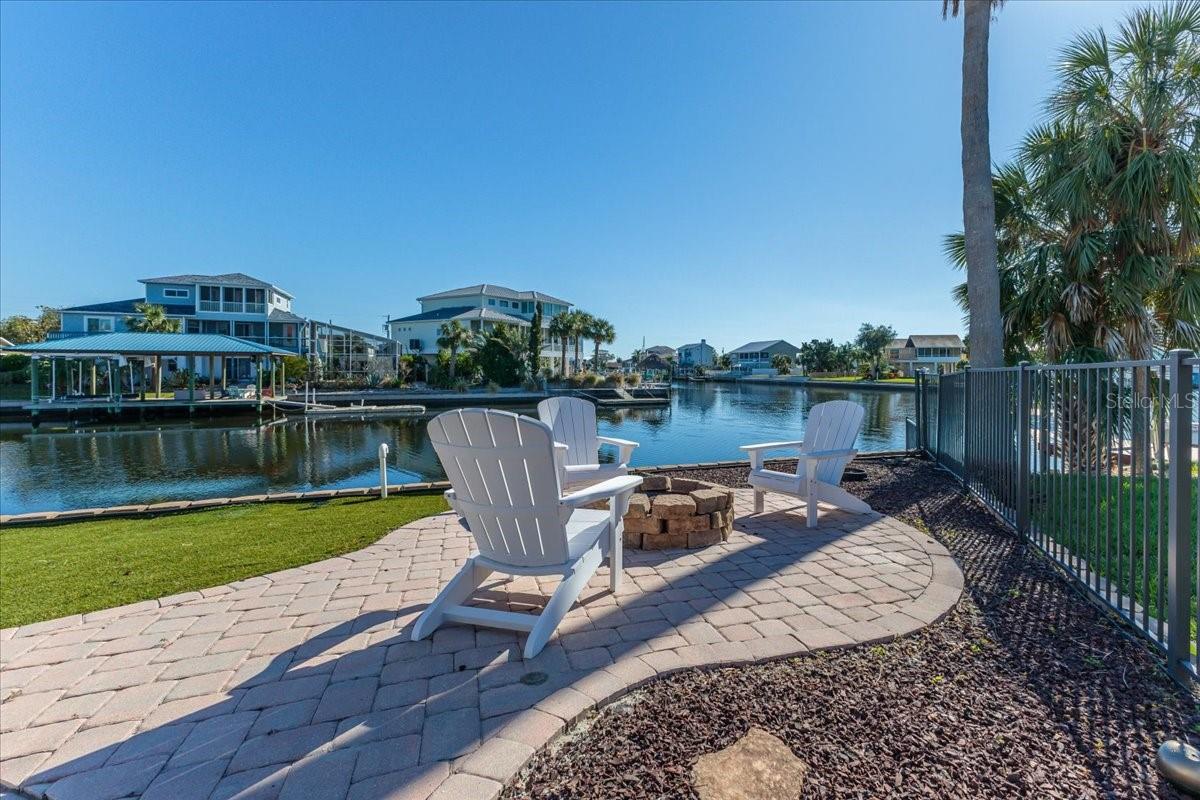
column 966, row 427
column 917, row 408
column 1179, row 542
column 1024, row 401
column 383, row 476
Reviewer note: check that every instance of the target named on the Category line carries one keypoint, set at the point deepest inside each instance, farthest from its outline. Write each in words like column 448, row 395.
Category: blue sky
column 732, row 172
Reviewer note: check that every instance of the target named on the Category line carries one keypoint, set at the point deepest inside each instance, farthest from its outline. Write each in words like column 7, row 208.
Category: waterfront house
column 756, row 356
column 478, row 308
column 232, row 304
column 229, row 304
column 698, row 354
column 936, row 353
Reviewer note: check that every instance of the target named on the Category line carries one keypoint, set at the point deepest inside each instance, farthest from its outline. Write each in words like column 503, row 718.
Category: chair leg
column 456, row 593
column 758, row 500
column 615, row 552
column 561, row 601
column 812, row 509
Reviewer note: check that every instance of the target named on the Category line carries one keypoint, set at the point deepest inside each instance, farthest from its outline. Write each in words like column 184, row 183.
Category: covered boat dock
column 118, row 372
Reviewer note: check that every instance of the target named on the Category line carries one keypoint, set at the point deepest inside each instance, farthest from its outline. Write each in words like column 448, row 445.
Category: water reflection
column 99, row 466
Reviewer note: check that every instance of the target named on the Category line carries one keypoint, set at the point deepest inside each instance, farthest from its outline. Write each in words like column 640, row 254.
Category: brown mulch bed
column 1025, row 689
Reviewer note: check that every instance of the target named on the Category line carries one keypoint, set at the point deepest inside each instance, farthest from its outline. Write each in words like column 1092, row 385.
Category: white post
column 383, row 476
column 306, row 395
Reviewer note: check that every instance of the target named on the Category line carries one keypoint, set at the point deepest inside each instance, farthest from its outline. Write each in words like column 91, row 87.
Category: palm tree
column 560, row 327
column 781, row 363
column 979, row 211
column 454, row 337
column 600, row 331
column 1099, row 218
column 152, row 318
column 579, row 322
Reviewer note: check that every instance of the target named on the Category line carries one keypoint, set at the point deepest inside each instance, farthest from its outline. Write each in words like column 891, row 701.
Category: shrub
column 615, row 380
column 634, row 379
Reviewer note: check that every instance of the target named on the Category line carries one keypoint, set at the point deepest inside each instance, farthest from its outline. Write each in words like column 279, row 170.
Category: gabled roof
column 492, row 290
column 696, row 344
column 225, row 279
column 161, row 344
column 279, row 315
column 130, row 307
column 461, row 313
column 766, row 344
column 897, row 344
column 935, row 340
column 661, row 349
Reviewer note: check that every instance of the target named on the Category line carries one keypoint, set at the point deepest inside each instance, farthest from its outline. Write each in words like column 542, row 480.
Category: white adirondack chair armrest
column 756, row 450
column 452, row 501
column 618, row 488
column 625, row 446
column 750, row 448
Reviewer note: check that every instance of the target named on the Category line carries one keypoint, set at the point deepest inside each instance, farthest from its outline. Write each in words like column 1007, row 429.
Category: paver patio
column 304, row 684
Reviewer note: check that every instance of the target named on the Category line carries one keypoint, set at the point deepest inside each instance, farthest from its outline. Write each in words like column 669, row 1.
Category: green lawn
column 1114, row 523
column 50, row 571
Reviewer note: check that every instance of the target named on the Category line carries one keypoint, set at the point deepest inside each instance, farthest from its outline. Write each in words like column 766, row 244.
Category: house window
column 99, row 324
column 256, row 301
column 185, row 293
column 210, row 298
column 491, row 302
column 231, row 299
column 193, row 326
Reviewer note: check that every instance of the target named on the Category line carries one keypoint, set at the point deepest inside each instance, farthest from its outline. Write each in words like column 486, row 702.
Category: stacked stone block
column 678, row 512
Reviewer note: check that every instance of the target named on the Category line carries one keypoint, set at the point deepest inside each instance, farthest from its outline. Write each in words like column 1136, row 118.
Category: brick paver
column 304, row 683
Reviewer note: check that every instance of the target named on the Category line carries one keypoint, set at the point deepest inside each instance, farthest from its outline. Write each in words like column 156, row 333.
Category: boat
column 326, row 412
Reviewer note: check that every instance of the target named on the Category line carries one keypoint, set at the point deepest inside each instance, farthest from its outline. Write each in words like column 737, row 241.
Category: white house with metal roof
column 479, row 308
column 756, row 356
column 937, row 353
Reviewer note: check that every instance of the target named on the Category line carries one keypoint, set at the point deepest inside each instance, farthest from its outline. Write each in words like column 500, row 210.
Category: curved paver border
column 775, row 590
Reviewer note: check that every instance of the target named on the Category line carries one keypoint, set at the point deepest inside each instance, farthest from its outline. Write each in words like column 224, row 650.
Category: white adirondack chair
column 573, row 421
column 826, row 450
column 507, row 492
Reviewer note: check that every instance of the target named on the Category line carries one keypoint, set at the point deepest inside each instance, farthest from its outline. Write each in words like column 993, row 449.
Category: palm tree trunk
column 596, row 358
column 564, row 357
column 157, row 377
column 453, row 362
column 979, row 204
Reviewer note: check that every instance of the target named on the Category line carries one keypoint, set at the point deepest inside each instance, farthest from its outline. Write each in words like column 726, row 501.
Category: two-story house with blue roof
column 233, row 304
column 479, row 308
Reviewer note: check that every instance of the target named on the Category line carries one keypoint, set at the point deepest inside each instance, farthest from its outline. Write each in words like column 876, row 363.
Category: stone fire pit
column 678, row 512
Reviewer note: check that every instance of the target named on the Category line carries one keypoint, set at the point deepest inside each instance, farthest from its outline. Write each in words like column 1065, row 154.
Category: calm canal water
column 59, row 468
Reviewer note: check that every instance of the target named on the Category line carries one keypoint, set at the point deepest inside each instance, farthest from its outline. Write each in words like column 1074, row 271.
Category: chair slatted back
column 506, row 484
column 833, row 426
column 573, row 421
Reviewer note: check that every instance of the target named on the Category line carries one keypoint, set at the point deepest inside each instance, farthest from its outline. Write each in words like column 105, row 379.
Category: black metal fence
column 1095, row 464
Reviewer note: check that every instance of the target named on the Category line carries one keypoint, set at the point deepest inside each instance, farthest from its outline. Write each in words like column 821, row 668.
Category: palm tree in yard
column 601, row 332
column 560, row 328
column 152, row 318
column 1099, row 217
column 454, row 337
column 979, row 211
column 579, row 322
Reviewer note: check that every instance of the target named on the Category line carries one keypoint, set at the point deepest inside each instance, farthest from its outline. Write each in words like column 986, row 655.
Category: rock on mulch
column 1025, row 690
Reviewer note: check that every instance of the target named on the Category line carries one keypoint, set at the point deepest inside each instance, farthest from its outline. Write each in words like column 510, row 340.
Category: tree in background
column 453, row 337
column 501, row 355
column 578, row 322
column 781, row 363
column 560, row 328
column 1099, row 216
column 152, row 319
column 979, row 211
column 725, row 361
column 872, row 340
column 601, row 332
column 818, row 355
column 535, row 340
column 20, row 329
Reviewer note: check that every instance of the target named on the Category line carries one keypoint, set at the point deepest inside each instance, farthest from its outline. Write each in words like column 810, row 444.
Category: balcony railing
column 210, row 305
column 256, row 308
